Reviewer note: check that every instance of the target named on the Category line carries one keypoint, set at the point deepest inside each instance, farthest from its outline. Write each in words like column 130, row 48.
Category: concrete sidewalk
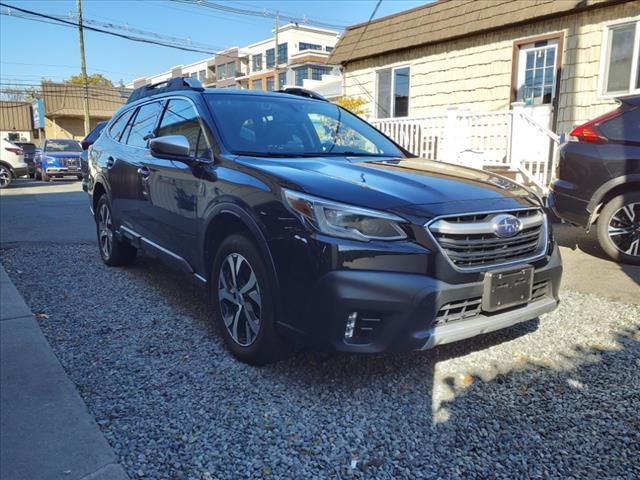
column 46, row 431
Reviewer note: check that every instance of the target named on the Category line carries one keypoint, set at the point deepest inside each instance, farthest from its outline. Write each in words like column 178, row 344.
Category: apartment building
column 302, row 54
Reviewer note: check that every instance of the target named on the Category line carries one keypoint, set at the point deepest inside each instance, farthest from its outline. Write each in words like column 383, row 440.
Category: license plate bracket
column 507, row 288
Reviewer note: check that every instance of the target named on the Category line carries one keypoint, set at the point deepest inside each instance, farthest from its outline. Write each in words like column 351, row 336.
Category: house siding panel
column 475, row 72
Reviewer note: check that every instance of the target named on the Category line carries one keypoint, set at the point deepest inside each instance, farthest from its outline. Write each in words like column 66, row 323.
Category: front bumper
column 63, row 171
column 402, row 312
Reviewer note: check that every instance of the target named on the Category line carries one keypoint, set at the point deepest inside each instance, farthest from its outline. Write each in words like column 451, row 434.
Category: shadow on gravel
column 141, row 347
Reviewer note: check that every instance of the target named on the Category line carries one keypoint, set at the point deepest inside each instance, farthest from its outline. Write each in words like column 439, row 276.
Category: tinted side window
column 626, row 127
column 141, row 128
column 118, row 126
column 180, row 118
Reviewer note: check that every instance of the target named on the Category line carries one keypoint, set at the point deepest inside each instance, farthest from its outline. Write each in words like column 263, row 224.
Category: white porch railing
column 480, row 139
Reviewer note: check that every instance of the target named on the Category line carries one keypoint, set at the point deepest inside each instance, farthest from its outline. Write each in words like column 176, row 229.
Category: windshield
column 289, row 126
column 62, row 146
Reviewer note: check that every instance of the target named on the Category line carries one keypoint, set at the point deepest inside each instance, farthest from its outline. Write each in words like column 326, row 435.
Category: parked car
column 59, row 158
column 598, row 180
column 12, row 163
column 29, row 152
column 308, row 224
column 85, row 144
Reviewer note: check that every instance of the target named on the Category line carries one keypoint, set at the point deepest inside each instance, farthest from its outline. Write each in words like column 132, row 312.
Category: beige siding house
column 64, row 112
column 508, row 65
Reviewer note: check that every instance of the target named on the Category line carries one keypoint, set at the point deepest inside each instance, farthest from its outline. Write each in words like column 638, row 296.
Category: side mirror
column 85, row 145
column 171, row 147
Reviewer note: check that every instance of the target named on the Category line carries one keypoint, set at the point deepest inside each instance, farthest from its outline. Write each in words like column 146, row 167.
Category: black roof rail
column 177, row 83
column 302, row 92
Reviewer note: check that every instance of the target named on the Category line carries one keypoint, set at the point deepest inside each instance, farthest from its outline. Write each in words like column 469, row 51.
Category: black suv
column 308, row 224
column 598, row 180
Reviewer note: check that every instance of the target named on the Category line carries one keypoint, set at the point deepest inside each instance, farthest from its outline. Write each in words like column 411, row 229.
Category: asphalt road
column 32, row 211
column 57, row 212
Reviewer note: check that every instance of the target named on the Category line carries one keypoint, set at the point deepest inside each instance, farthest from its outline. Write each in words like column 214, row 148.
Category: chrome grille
column 472, row 307
column 470, row 243
column 70, row 162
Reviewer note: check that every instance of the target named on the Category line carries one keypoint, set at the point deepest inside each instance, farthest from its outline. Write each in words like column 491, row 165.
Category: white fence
column 480, row 139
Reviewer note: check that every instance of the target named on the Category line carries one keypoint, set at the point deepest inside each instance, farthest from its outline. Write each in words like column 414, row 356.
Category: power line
column 52, row 19
column 260, row 13
column 373, row 14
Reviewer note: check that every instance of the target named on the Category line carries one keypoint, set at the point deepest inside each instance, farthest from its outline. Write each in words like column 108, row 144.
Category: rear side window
column 180, row 118
column 117, row 127
column 141, row 129
column 625, row 127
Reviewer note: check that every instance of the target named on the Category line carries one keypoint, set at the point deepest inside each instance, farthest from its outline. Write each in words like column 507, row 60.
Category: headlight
column 50, row 160
column 344, row 221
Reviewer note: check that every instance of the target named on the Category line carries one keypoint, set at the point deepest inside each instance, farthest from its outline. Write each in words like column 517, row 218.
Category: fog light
column 351, row 325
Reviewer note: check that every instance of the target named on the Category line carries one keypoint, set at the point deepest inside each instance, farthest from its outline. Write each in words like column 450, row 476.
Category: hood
column 397, row 184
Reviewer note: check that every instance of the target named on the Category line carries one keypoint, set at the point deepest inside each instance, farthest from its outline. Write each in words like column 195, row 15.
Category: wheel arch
column 609, row 190
column 8, row 165
column 226, row 219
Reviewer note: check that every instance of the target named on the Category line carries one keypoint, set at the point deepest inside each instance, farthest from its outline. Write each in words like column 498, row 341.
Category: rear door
column 176, row 188
column 129, row 192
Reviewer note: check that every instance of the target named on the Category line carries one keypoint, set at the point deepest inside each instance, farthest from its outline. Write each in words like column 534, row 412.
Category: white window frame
column 393, row 68
column 604, row 59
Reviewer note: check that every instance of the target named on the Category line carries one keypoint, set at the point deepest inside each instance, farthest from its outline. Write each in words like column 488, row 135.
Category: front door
column 176, row 188
column 536, row 79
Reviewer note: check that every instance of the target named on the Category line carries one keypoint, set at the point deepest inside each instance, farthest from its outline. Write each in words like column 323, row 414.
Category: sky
column 32, row 50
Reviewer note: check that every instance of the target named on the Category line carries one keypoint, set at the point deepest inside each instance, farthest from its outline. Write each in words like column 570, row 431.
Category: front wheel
column 114, row 252
column 5, row 176
column 619, row 228
column 45, row 177
column 244, row 301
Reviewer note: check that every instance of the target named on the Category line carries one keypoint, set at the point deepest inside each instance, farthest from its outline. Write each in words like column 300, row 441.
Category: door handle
column 110, row 162
column 144, row 173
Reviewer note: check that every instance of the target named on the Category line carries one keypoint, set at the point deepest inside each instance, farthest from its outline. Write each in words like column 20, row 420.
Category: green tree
column 96, row 79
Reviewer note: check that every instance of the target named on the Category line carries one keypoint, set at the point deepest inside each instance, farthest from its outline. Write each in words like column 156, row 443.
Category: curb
column 46, row 430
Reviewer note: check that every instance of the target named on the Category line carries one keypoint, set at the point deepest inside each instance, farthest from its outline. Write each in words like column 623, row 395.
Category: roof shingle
column 445, row 20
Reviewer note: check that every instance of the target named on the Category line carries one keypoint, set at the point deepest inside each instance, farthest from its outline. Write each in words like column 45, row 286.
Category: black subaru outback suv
column 308, row 224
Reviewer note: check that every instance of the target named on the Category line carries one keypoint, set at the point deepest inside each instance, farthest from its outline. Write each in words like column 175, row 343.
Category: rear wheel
column 114, row 252
column 5, row 176
column 244, row 301
column 619, row 228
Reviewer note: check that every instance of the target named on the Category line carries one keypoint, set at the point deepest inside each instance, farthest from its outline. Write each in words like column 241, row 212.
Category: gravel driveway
column 555, row 398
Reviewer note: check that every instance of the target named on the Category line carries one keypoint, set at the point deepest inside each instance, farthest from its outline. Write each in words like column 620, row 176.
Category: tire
column 114, row 252
column 79, row 177
column 5, row 176
column 247, row 319
column 44, row 176
column 619, row 228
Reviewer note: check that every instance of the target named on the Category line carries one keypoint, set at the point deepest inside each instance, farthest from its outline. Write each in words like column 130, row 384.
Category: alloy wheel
column 239, row 299
column 624, row 229
column 5, row 176
column 105, row 230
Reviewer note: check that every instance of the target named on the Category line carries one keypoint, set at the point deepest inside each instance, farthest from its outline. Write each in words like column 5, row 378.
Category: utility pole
column 85, row 81
column 277, row 79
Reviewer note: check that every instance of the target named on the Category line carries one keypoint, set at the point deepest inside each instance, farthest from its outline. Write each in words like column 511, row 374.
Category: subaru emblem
column 506, row 226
